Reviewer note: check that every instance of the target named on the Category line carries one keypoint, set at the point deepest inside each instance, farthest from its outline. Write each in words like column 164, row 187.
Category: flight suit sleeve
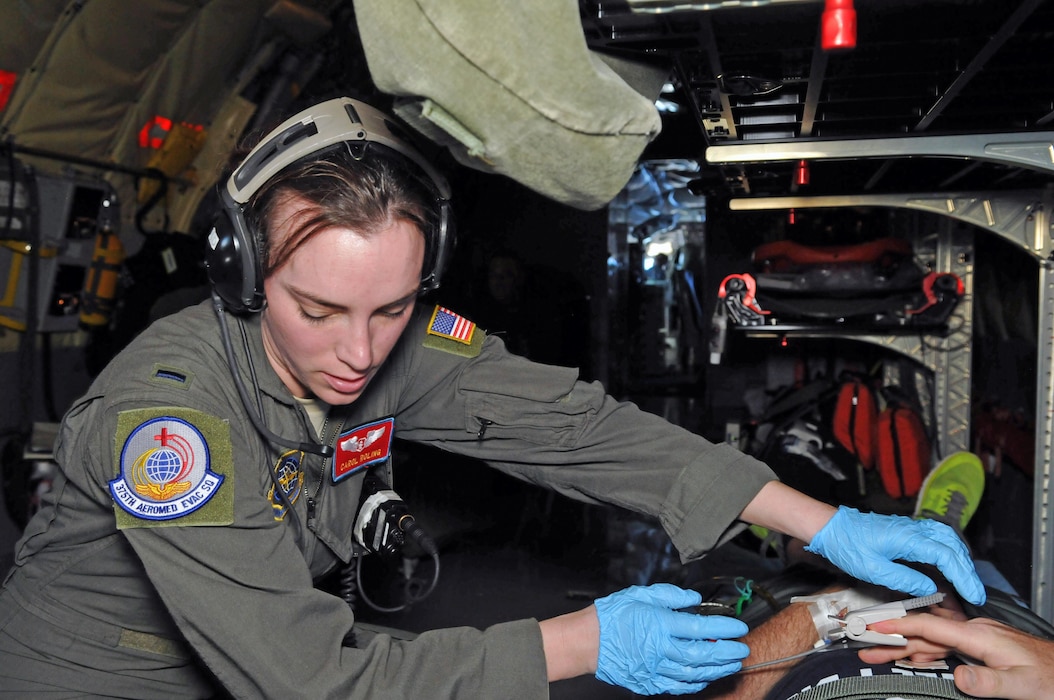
column 541, row 424
column 238, row 588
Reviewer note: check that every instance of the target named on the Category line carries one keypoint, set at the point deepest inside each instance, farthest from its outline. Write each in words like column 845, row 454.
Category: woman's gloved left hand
column 649, row 647
column 865, row 545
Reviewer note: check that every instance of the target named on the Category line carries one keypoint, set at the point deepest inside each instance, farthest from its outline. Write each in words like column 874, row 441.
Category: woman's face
column 338, row 305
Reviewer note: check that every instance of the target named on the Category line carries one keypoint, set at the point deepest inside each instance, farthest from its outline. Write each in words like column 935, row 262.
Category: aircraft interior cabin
column 814, row 236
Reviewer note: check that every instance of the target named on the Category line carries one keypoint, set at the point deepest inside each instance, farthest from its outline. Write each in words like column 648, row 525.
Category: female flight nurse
column 214, row 469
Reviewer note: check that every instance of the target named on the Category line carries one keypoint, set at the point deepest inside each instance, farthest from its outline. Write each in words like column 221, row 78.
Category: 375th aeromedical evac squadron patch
column 173, row 468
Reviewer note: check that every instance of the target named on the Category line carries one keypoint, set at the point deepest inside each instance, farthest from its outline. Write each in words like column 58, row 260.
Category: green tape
column 454, row 347
column 142, row 641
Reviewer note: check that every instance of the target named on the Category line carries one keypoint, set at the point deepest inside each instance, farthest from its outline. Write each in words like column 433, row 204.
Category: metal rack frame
column 1021, row 217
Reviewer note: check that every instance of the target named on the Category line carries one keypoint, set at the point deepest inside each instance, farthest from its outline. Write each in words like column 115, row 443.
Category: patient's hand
column 1017, row 666
column 918, row 649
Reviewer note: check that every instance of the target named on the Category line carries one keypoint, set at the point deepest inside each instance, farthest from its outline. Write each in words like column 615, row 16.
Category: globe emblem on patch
column 163, row 465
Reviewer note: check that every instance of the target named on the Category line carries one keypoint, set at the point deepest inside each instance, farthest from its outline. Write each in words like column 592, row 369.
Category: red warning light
column 801, row 173
column 153, row 133
column 838, row 25
column 7, row 86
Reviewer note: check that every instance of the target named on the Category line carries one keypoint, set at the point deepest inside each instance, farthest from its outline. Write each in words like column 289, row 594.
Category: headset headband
column 339, row 120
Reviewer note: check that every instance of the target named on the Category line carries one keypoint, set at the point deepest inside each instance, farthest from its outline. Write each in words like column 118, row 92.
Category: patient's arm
column 788, row 632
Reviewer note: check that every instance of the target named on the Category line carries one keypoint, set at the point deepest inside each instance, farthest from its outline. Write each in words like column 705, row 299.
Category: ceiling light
column 801, row 173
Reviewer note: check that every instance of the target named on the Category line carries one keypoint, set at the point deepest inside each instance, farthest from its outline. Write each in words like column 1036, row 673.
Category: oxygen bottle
column 99, row 295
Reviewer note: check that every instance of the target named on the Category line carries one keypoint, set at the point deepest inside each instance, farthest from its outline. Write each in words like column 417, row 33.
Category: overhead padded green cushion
column 511, row 87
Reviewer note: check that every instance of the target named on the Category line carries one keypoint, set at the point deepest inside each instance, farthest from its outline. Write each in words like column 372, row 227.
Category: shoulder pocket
column 513, row 397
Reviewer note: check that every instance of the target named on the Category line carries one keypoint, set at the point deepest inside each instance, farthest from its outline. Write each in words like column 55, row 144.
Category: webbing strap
column 883, row 687
column 897, row 457
column 852, row 419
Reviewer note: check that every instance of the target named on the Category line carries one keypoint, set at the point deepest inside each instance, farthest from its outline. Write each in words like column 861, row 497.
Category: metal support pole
column 1042, row 562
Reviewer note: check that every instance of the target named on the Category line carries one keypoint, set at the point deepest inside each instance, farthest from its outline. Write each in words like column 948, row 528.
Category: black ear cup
column 441, row 241
column 233, row 263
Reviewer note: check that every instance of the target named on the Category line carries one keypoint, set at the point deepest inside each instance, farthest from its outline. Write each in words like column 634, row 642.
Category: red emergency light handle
column 838, row 25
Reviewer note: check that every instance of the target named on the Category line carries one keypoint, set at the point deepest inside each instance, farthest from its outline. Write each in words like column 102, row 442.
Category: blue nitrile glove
column 865, row 545
column 649, row 647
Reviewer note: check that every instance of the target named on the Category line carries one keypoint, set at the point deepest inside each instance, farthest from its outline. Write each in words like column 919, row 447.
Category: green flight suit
column 215, row 587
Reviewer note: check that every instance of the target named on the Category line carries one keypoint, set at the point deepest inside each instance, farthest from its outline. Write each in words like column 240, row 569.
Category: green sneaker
column 952, row 491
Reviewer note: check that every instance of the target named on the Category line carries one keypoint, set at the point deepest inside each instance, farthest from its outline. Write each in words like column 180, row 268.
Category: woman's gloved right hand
column 648, row 647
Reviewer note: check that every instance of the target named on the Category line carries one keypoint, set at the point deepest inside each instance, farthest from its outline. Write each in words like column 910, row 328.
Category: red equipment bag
column 782, row 256
column 855, row 419
column 902, row 450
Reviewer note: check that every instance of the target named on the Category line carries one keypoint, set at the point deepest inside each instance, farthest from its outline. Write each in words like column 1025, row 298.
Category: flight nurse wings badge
column 164, row 470
column 363, row 446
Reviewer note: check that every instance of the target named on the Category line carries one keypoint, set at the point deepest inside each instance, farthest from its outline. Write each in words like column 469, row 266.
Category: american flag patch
column 447, row 324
